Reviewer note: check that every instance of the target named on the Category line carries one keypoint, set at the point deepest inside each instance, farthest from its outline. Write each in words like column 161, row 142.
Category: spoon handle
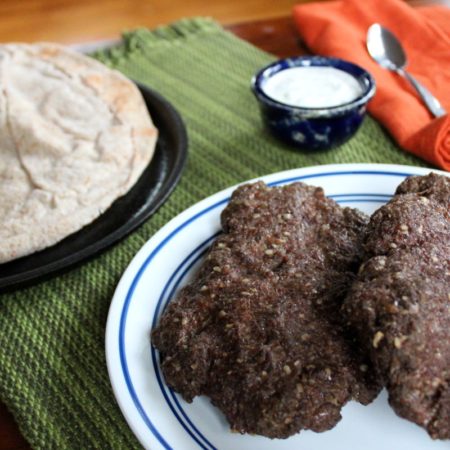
column 429, row 99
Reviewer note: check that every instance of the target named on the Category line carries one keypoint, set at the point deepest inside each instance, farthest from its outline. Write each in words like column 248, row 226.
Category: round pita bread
column 75, row 136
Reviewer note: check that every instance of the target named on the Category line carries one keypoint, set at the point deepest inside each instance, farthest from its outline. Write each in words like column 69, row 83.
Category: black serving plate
column 125, row 214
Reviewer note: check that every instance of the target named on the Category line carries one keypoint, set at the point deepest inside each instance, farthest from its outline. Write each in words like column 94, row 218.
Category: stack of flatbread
column 74, row 136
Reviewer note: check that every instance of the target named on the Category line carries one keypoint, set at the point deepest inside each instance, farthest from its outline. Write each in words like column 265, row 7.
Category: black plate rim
column 42, row 273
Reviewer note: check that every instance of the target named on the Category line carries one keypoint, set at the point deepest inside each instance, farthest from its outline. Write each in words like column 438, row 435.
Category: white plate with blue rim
column 158, row 416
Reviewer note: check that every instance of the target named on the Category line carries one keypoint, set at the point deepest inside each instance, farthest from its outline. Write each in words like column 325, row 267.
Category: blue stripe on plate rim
column 196, row 254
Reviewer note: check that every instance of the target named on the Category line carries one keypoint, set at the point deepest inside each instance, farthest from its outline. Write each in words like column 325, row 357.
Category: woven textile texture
column 53, row 373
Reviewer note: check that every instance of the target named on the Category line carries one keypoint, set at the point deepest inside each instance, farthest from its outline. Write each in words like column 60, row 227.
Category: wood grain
column 75, row 21
column 70, row 21
column 10, row 436
column 264, row 23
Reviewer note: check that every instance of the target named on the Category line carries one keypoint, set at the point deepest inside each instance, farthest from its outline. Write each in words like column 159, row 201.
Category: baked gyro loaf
column 400, row 302
column 258, row 329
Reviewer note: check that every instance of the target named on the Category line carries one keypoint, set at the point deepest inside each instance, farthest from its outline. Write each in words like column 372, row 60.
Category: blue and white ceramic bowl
column 313, row 128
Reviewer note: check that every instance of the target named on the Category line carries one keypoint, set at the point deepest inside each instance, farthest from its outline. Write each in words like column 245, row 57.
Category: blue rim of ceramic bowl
column 365, row 79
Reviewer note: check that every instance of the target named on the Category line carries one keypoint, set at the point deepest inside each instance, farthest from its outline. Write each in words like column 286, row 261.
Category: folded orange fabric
column 339, row 28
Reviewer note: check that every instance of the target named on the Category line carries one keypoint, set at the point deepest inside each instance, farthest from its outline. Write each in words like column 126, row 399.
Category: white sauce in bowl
column 312, row 87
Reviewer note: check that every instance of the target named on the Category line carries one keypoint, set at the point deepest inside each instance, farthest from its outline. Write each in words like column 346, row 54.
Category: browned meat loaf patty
column 258, row 329
column 400, row 304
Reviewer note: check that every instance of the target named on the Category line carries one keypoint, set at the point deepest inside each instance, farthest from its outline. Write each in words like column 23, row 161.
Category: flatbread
column 74, row 136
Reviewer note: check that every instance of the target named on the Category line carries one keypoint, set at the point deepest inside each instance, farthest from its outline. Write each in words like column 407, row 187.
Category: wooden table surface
column 264, row 23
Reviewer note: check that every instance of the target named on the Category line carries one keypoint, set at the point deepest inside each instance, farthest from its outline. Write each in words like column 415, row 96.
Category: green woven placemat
column 53, row 374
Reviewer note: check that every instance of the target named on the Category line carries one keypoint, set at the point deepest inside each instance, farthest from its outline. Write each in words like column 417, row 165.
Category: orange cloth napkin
column 338, row 28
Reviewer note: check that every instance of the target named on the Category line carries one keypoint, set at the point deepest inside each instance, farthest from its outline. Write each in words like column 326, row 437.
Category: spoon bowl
column 385, row 48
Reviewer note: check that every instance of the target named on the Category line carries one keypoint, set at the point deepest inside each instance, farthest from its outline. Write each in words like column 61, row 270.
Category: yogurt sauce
column 312, row 87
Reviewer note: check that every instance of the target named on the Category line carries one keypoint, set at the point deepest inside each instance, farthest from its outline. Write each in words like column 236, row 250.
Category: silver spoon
column 387, row 51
